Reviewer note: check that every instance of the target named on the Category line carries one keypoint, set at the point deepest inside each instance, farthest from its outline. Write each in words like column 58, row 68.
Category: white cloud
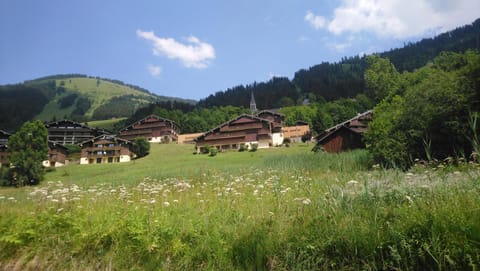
column 399, row 18
column 315, row 21
column 155, row 71
column 194, row 54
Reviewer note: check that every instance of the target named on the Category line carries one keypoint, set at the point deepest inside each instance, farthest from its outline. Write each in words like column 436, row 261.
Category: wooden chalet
column 277, row 120
column 57, row 155
column 295, row 133
column 106, row 149
column 70, row 132
column 188, row 138
column 4, row 154
column 245, row 129
column 347, row 135
column 153, row 128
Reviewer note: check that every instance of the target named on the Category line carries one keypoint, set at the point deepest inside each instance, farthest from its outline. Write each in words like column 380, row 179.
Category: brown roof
column 243, row 118
column 145, row 120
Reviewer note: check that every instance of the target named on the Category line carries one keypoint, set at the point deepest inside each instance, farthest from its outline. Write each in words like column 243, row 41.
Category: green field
column 105, row 124
column 98, row 91
column 274, row 209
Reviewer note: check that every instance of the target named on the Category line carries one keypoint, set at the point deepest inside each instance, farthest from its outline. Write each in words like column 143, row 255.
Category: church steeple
column 253, row 105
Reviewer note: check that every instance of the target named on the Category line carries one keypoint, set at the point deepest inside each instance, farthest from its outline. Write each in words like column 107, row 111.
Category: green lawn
column 105, row 124
column 171, row 160
column 274, row 209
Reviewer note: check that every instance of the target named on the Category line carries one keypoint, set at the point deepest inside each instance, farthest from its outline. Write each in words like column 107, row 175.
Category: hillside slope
column 344, row 79
column 76, row 97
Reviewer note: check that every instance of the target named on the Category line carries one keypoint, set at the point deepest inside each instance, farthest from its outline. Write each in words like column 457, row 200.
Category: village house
column 297, row 132
column 57, row 155
column 244, row 130
column 153, row 128
column 105, row 149
column 347, row 135
column 188, row 138
column 4, row 148
column 67, row 132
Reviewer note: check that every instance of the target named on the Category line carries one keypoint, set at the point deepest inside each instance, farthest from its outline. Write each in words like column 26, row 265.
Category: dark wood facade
column 69, row 132
column 347, row 135
column 153, row 128
column 245, row 129
column 106, row 149
column 57, row 155
column 276, row 118
column 4, row 154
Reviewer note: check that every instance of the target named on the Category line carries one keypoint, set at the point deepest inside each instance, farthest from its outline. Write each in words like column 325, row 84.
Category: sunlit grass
column 277, row 209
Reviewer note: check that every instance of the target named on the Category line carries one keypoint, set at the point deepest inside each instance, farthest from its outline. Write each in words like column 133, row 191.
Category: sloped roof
column 67, row 122
column 346, row 125
column 230, row 121
column 144, row 119
column 106, row 137
column 271, row 111
column 357, row 117
column 2, row 132
column 56, row 145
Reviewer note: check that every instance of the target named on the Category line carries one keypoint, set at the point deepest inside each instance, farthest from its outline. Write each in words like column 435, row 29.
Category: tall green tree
column 28, row 147
column 381, row 78
column 141, row 147
column 430, row 117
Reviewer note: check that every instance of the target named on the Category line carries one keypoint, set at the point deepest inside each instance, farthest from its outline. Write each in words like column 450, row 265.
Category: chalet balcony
column 102, row 150
column 136, row 132
column 152, row 125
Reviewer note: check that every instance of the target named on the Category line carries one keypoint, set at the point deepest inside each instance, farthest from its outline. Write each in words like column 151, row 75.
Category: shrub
column 141, row 146
column 28, row 148
column 243, row 147
column 213, row 151
column 206, row 149
column 253, row 147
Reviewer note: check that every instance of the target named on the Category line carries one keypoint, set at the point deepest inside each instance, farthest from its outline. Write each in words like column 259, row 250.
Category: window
column 99, row 160
column 110, row 159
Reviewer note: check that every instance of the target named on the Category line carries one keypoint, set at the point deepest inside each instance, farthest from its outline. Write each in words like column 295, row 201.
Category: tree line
column 344, row 79
column 428, row 114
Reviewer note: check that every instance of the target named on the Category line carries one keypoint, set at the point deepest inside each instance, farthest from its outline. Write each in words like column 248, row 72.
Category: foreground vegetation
column 278, row 209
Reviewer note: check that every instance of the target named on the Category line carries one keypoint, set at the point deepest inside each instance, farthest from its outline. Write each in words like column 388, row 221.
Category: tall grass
column 276, row 210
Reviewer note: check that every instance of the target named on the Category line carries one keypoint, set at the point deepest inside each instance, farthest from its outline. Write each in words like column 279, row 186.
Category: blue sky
column 191, row 49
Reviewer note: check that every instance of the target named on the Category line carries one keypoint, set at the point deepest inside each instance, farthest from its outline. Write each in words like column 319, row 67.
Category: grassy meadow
column 274, row 209
column 105, row 124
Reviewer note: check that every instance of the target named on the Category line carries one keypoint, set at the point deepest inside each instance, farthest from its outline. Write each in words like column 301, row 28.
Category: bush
column 206, row 149
column 213, row 151
column 243, row 147
column 141, row 147
column 253, row 147
column 28, row 148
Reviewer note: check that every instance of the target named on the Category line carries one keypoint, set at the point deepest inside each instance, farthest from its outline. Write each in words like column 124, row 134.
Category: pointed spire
column 253, row 105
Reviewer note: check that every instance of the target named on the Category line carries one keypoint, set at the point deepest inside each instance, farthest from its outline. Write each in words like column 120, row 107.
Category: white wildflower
column 306, row 201
column 166, row 203
column 352, row 182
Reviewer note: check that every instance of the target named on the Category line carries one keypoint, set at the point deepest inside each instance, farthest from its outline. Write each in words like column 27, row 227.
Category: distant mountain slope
column 76, row 97
column 344, row 79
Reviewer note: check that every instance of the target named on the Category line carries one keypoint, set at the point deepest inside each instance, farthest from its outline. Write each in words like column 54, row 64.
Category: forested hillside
column 73, row 96
column 331, row 81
